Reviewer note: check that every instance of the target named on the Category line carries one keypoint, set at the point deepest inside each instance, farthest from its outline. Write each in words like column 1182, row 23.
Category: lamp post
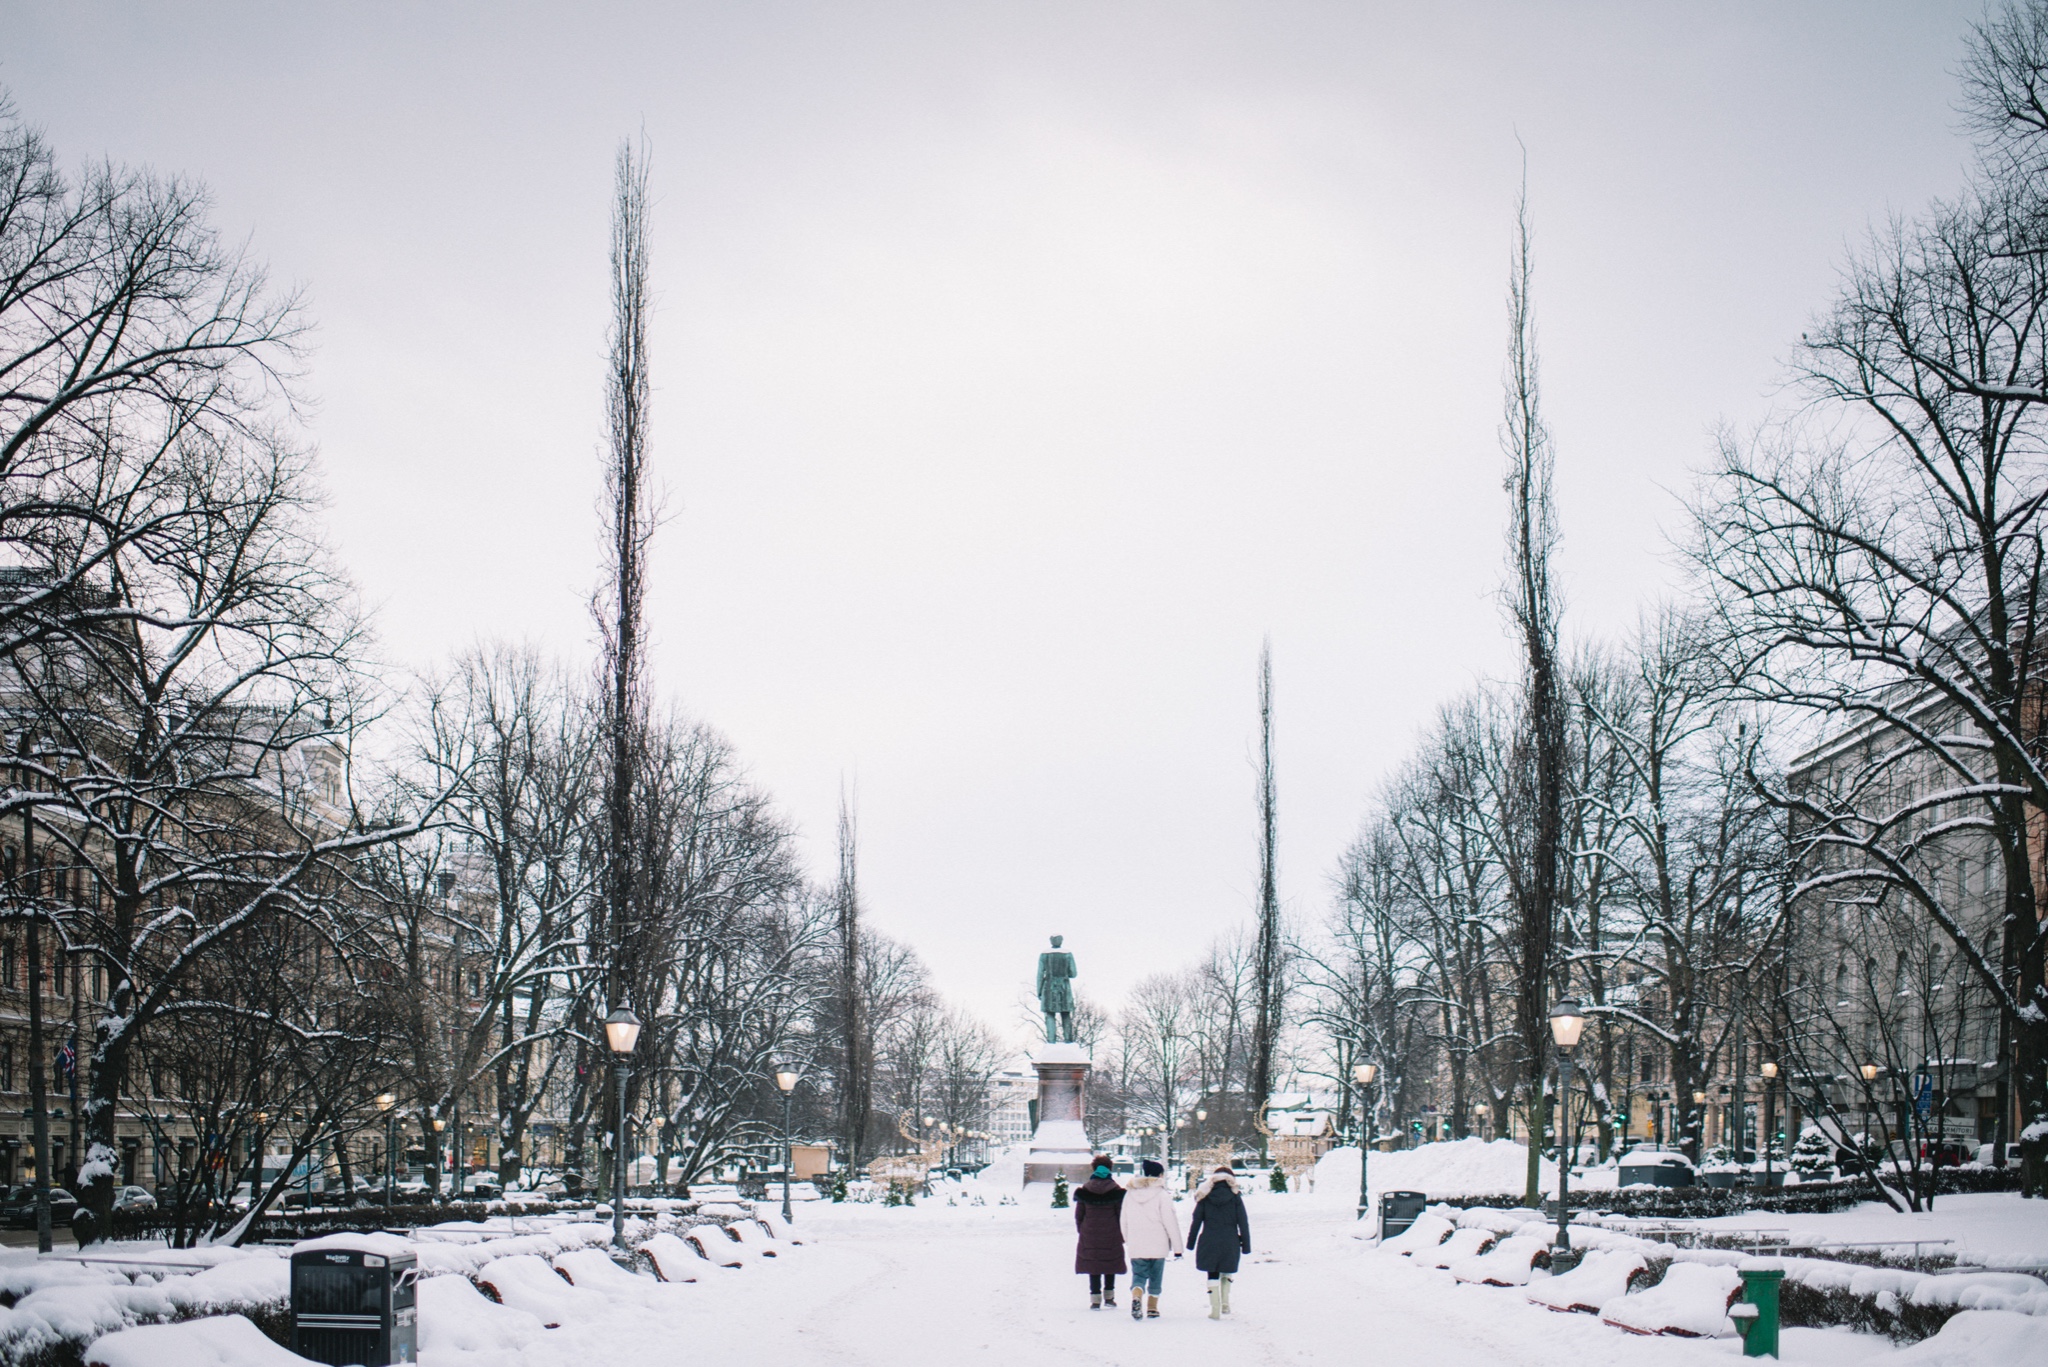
column 440, row 1127
column 660, row 1124
column 385, row 1101
column 1567, row 1021
column 621, row 1033
column 1363, row 1074
column 1764, row 1117
column 786, row 1078
column 1480, row 1111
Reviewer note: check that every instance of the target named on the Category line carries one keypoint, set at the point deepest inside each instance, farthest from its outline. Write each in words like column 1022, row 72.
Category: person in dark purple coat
column 1098, row 1220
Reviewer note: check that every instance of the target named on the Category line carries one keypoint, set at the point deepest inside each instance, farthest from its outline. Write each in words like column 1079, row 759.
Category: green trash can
column 1756, row 1315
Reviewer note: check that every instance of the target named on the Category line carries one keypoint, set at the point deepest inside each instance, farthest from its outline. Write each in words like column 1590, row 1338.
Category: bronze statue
column 1055, row 994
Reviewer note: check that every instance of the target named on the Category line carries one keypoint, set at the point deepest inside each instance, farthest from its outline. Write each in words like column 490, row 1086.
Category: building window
column 6, row 1067
column 7, row 964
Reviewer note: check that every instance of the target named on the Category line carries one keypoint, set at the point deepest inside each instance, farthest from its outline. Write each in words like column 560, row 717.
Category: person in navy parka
column 1219, row 1234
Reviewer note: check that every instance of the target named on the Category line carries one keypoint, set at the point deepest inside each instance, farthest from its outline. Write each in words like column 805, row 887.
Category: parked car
column 1656, row 1168
column 19, row 1207
column 484, row 1189
column 133, row 1198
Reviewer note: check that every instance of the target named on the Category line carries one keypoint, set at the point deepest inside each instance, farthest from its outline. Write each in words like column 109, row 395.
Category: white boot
column 1226, row 1295
column 1215, row 1300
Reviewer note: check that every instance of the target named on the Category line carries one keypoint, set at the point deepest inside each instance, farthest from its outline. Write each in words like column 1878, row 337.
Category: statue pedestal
column 1060, row 1143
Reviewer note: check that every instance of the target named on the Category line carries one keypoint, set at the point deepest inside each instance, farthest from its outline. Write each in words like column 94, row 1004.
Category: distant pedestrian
column 1151, row 1231
column 1218, row 1234
column 1099, row 1251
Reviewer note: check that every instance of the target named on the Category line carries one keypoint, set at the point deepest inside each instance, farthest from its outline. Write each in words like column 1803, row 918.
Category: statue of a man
column 1055, row 995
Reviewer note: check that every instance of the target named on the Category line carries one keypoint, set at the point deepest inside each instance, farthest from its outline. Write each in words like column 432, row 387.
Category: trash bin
column 1398, row 1210
column 354, row 1300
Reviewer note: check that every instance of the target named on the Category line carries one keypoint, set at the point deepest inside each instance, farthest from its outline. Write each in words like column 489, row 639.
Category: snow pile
column 1601, row 1276
column 1457, row 1167
column 1507, row 1263
column 224, row 1341
column 1692, row 1301
column 1978, row 1338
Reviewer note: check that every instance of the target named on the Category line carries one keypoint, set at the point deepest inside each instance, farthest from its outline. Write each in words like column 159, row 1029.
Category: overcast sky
column 1019, row 366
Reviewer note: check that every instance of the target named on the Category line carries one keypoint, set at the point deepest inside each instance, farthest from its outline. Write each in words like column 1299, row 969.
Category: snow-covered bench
column 1463, row 1243
column 455, row 1316
column 1425, row 1234
column 779, row 1228
column 753, row 1236
column 1692, row 1301
column 524, row 1281
column 674, row 1260
column 1601, row 1276
column 593, row 1270
column 1507, row 1263
column 716, row 1245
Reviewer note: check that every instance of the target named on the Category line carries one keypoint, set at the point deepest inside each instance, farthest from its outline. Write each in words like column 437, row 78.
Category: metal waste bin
column 354, row 1301
column 1398, row 1210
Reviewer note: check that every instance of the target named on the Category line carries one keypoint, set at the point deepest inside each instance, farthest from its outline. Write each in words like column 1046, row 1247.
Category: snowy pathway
column 930, row 1287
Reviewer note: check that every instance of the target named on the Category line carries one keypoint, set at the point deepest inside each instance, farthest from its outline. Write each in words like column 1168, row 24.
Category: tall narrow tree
column 630, row 509
column 1539, row 788
column 1266, row 965
column 856, row 1089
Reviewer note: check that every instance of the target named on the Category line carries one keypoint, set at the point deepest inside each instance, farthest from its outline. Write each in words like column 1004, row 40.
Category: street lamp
column 786, row 1078
column 1567, row 1022
column 385, row 1101
column 1770, row 1072
column 621, row 1033
column 660, row 1156
column 1363, row 1074
column 1870, row 1072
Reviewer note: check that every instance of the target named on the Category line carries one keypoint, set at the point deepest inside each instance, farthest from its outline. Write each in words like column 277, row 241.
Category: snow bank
column 1692, row 1300
column 1601, row 1276
column 223, row 1341
column 1979, row 1338
column 1458, row 1167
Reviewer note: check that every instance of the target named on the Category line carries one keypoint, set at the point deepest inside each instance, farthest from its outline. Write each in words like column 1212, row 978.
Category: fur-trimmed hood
column 1212, row 1181
column 1140, row 1183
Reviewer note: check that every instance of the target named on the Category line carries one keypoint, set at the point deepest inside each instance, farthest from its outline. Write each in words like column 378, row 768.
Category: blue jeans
column 1147, row 1274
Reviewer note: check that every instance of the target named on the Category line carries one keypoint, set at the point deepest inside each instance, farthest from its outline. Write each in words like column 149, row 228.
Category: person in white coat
column 1151, row 1234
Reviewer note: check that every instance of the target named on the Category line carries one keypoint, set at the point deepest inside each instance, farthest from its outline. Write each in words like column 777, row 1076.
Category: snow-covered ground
column 932, row 1285
column 935, row 1285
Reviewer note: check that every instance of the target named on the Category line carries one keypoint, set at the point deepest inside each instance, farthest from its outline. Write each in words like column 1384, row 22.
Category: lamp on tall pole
column 385, row 1102
column 621, row 1033
column 1363, row 1074
column 1765, row 1117
column 1567, row 1022
column 786, row 1078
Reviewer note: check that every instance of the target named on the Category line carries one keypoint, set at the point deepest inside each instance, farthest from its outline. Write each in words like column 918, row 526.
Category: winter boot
column 1226, row 1295
column 1137, row 1305
column 1095, row 1300
column 1215, row 1300
column 1109, row 1296
column 1151, row 1308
